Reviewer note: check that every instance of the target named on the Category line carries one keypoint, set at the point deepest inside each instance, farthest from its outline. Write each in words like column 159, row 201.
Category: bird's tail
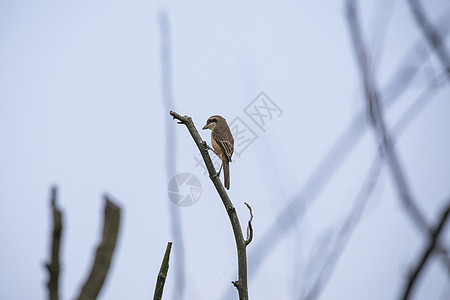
column 226, row 173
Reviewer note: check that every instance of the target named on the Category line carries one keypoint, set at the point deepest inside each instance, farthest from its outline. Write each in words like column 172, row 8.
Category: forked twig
column 249, row 226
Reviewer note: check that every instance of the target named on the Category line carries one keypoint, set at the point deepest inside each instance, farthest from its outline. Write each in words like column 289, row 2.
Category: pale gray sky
column 81, row 107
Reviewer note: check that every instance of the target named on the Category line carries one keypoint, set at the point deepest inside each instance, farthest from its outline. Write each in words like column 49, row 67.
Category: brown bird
column 223, row 144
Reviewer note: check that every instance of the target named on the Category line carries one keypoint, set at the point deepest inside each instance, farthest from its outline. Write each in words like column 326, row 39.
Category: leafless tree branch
column 329, row 257
column 104, row 253
column 162, row 273
column 332, row 161
column 241, row 283
column 428, row 251
column 377, row 120
column 54, row 266
column 431, row 34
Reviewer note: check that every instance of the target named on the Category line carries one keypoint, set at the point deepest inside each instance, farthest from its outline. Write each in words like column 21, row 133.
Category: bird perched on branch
column 223, row 144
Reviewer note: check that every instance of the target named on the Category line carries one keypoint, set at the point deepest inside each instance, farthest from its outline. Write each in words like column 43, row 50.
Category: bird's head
column 212, row 122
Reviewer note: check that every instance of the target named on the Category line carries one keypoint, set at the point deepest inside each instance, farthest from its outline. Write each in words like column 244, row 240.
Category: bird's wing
column 225, row 142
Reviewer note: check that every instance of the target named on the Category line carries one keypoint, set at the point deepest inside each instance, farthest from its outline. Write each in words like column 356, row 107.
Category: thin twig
column 54, row 266
column 162, row 273
column 249, row 226
column 432, row 246
column 104, row 253
column 241, row 283
column 431, row 34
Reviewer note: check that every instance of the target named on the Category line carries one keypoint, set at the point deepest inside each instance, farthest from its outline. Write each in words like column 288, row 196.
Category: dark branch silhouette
column 432, row 246
column 104, row 253
column 241, row 283
column 431, row 34
column 54, row 266
column 162, row 273
column 249, row 238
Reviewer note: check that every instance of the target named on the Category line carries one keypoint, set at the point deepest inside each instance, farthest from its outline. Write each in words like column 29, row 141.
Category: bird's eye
column 209, row 121
column 214, row 120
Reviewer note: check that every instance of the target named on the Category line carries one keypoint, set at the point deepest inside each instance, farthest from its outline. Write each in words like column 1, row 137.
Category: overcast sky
column 81, row 107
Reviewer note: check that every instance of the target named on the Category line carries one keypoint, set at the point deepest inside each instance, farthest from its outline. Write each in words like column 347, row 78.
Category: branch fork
column 241, row 243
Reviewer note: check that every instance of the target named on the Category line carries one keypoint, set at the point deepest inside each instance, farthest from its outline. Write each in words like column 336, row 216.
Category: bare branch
column 162, row 273
column 431, row 34
column 241, row 284
column 331, row 162
column 330, row 252
column 179, row 270
column 249, row 226
column 354, row 216
column 376, row 117
column 104, row 253
column 432, row 246
column 54, row 266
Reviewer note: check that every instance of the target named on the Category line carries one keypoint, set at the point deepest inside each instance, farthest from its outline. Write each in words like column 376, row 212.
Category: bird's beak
column 206, row 126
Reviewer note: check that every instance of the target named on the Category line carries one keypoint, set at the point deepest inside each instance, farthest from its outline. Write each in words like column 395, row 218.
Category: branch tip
column 161, row 279
column 53, row 266
column 104, row 252
column 249, row 226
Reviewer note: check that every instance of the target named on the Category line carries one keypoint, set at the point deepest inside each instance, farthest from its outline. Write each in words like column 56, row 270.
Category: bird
column 223, row 144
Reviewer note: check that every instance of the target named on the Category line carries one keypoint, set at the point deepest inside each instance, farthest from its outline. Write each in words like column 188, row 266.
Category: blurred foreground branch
column 326, row 257
column 241, row 244
column 54, row 266
column 432, row 246
column 299, row 202
column 104, row 253
column 376, row 117
column 162, row 273
column 431, row 34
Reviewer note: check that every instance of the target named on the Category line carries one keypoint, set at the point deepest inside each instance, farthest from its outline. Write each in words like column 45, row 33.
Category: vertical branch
column 171, row 146
column 241, row 245
column 53, row 266
column 104, row 253
column 162, row 273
